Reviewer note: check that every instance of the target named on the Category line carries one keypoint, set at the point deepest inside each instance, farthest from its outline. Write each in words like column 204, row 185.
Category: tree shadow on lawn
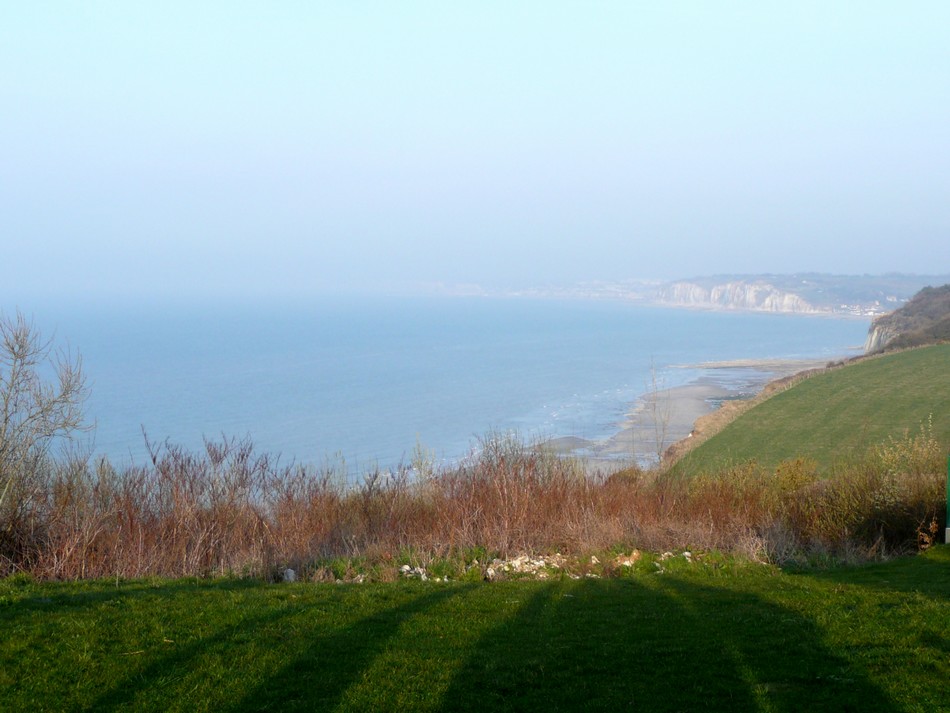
column 317, row 678
column 927, row 574
column 62, row 596
column 166, row 669
column 237, row 648
column 668, row 645
column 314, row 679
column 654, row 643
column 106, row 675
column 907, row 597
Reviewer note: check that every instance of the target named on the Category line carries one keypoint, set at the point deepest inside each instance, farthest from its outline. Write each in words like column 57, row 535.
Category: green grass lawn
column 716, row 634
column 839, row 414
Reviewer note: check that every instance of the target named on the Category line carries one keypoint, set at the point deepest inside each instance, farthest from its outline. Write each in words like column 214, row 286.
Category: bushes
column 879, row 504
column 230, row 511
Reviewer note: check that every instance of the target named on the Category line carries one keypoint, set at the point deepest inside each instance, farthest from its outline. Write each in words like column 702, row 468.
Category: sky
column 182, row 149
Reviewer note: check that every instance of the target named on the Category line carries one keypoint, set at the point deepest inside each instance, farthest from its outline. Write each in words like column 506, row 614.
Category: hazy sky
column 225, row 148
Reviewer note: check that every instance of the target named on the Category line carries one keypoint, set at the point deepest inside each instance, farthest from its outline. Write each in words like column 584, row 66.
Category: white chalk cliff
column 755, row 296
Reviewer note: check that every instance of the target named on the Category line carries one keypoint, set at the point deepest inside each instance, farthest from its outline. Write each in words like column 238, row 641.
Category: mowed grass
column 713, row 634
column 838, row 415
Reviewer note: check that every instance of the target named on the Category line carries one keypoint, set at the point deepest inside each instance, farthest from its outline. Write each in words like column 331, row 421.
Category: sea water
column 361, row 383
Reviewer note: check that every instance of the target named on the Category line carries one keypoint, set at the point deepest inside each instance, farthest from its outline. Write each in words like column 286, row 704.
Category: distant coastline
column 857, row 296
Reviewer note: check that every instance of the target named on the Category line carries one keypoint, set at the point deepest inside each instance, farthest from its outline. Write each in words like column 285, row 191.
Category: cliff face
column 755, row 296
column 923, row 320
column 879, row 336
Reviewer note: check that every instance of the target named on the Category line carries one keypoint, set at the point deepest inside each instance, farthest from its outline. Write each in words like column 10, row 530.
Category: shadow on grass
column 317, row 677
column 653, row 643
column 61, row 596
column 667, row 646
column 927, row 574
column 179, row 660
column 237, row 645
column 909, row 594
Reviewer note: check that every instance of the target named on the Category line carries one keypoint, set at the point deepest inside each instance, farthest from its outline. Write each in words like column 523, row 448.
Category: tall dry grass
column 229, row 510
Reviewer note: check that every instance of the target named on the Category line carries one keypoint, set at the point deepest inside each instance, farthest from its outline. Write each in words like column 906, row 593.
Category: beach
column 665, row 419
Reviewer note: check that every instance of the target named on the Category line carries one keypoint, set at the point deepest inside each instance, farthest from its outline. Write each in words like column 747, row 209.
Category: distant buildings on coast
column 856, row 296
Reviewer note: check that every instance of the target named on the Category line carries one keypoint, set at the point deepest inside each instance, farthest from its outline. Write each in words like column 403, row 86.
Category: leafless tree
column 42, row 391
column 661, row 412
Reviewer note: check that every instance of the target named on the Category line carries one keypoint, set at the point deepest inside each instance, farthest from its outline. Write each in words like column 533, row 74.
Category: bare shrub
column 42, row 390
column 228, row 510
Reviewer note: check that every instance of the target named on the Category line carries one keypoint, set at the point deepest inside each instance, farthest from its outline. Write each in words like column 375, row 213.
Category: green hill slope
column 838, row 414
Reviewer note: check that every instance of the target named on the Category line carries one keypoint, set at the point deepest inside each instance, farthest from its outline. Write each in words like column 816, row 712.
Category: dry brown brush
column 228, row 510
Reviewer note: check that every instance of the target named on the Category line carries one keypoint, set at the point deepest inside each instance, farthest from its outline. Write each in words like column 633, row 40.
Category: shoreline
column 664, row 422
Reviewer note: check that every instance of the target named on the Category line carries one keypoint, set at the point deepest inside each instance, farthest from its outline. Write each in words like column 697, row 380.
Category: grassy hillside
column 839, row 414
column 706, row 634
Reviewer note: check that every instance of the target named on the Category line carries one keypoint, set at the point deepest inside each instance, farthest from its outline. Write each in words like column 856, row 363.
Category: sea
column 363, row 384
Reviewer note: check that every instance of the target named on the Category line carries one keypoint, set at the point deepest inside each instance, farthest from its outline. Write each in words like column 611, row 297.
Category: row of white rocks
column 539, row 567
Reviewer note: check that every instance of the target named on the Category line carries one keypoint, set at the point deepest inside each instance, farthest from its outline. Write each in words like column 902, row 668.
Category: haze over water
column 362, row 381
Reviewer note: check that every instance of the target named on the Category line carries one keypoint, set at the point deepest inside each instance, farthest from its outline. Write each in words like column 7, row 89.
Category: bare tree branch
column 42, row 392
